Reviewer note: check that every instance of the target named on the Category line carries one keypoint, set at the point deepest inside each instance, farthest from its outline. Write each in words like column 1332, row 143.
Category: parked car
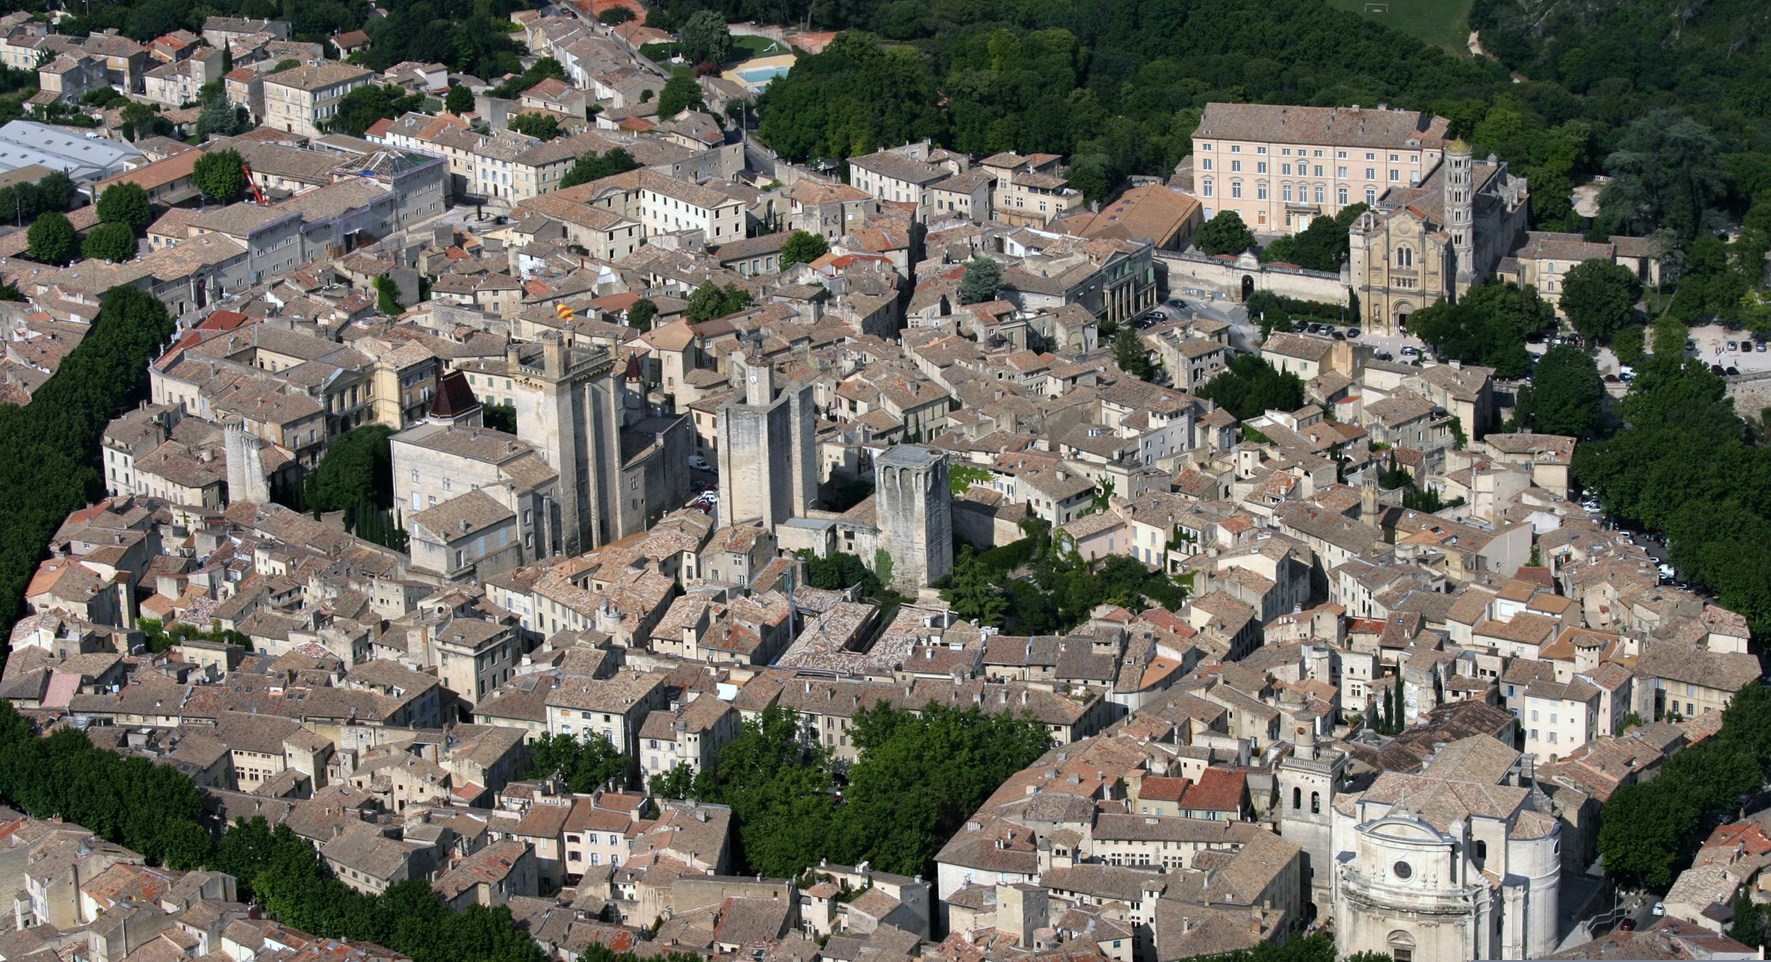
column 699, row 463
column 1627, row 925
column 1352, row 333
column 1732, row 346
column 1716, row 369
column 1411, row 351
column 1760, row 347
column 1732, row 372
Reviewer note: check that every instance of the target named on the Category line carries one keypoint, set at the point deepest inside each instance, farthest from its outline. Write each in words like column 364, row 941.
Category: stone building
column 767, row 449
column 568, row 406
column 1447, row 866
column 915, row 513
column 1424, row 244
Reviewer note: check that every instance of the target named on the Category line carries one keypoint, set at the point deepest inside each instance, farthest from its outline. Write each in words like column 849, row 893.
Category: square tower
column 913, row 507
column 768, row 462
column 569, row 407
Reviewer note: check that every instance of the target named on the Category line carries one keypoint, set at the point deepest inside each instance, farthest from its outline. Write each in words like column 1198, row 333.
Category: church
column 1420, row 245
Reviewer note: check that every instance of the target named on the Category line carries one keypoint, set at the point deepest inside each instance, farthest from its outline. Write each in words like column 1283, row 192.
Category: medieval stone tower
column 768, row 461
column 1460, row 203
column 913, row 509
column 568, row 406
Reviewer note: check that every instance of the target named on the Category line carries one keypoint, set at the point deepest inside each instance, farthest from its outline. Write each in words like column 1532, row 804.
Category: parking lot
column 1710, row 344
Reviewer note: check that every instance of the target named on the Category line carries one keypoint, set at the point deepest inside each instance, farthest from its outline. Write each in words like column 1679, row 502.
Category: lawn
column 1444, row 23
column 748, row 47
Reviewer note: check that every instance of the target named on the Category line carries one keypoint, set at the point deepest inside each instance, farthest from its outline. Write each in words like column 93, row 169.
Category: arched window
column 1404, row 257
column 1297, row 799
column 1315, row 803
column 1481, row 851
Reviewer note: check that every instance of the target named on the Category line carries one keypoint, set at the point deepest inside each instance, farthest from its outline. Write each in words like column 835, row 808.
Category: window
column 1260, row 191
column 1260, row 150
column 1260, row 167
column 1318, row 193
column 1207, row 163
column 1297, row 799
column 1340, row 172
column 1235, row 148
column 1395, row 158
column 1236, row 189
column 1319, row 170
column 1405, row 258
column 1315, row 803
column 1370, row 156
column 1341, row 196
column 1285, row 169
column 1235, row 166
column 1208, row 188
column 1285, row 190
column 1370, row 195
column 1205, row 147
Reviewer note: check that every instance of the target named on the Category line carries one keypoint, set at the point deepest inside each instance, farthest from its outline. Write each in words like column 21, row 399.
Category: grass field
column 1444, row 23
column 748, row 47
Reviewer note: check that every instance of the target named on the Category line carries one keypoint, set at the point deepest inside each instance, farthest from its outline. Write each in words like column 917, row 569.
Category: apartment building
column 1279, row 167
column 300, row 100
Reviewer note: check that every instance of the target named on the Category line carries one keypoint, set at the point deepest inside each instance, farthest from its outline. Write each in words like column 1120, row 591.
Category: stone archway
column 1247, row 286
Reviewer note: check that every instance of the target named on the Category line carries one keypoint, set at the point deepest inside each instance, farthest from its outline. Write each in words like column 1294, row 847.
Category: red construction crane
column 252, row 185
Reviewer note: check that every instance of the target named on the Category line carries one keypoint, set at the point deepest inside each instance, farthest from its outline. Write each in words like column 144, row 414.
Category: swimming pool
column 759, row 76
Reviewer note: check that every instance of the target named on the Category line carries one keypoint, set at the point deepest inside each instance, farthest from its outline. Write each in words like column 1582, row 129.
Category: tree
column 840, row 572
column 109, row 242
column 221, row 176
column 218, row 117
column 387, row 295
column 678, row 782
column 355, row 476
column 1251, row 386
column 584, row 765
column 1599, row 297
column 1566, row 394
column 1665, row 173
column 710, row 301
column 1488, row 325
column 705, row 38
column 975, row 594
column 802, row 247
column 142, row 120
column 1225, row 233
column 1132, row 354
column 362, row 107
column 126, row 203
column 597, row 166
column 1320, row 247
column 614, row 16
column 459, row 101
column 51, row 238
column 640, row 314
column 681, row 92
column 981, row 282
column 499, row 417
column 539, row 126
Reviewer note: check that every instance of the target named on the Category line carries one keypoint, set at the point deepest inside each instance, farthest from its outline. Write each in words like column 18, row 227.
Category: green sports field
column 1441, row 22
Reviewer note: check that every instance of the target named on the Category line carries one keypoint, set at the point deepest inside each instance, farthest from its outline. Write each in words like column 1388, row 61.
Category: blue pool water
column 762, row 75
